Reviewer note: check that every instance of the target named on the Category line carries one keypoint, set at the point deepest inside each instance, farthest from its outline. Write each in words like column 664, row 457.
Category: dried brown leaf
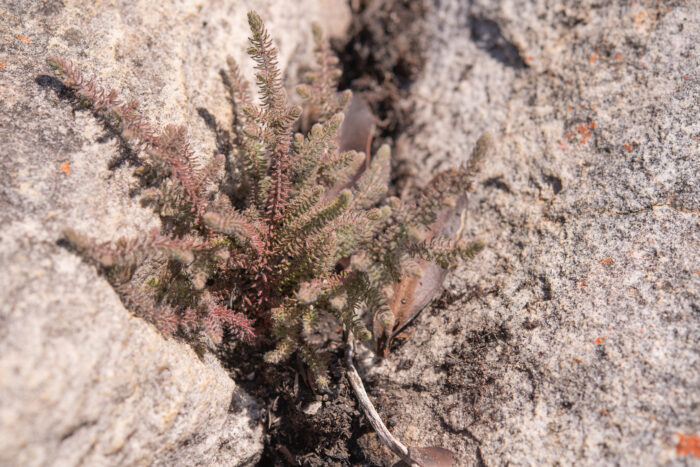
column 431, row 456
column 412, row 294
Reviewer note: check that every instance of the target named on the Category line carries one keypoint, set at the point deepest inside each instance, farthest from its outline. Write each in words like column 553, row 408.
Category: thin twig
column 368, row 408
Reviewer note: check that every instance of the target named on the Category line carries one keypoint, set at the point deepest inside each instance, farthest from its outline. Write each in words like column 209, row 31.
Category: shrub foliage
column 316, row 233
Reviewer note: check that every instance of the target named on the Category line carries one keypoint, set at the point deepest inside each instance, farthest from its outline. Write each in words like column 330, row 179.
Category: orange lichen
column 585, row 129
column 2, row 66
column 618, row 57
column 593, row 57
column 688, row 445
column 600, row 340
column 583, row 283
column 606, row 261
column 65, row 168
column 582, row 128
column 603, row 412
column 24, row 39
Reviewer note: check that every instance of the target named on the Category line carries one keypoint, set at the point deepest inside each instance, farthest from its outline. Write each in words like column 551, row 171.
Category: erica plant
column 317, row 233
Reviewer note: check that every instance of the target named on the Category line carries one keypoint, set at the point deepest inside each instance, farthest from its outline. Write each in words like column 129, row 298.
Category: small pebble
column 312, row 407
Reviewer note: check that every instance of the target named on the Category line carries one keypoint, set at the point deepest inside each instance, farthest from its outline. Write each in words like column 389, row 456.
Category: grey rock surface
column 82, row 382
column 574, row 338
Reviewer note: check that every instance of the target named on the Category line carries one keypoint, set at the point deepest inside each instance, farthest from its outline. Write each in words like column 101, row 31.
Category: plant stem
column 368, row 408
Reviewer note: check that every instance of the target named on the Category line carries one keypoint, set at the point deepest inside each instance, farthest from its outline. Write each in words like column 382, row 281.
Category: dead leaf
column 412, row 294
column 358, row 127
column 432, row 456
column 356, row 134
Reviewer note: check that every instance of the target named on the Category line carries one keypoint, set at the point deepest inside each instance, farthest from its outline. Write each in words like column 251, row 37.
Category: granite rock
column 574, row 337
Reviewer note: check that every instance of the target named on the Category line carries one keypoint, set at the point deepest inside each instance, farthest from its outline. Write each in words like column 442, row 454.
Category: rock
column 81, row 380
column 312, row 407
column 573, row 338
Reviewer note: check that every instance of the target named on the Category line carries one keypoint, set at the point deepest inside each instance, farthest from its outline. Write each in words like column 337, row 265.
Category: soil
column 383, row 55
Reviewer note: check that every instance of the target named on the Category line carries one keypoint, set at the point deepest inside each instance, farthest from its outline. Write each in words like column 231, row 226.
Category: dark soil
column 295, row 433
column 381, row 59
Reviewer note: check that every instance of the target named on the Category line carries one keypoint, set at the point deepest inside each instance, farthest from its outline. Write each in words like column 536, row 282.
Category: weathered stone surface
column 574, row 337
column 82, row 381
